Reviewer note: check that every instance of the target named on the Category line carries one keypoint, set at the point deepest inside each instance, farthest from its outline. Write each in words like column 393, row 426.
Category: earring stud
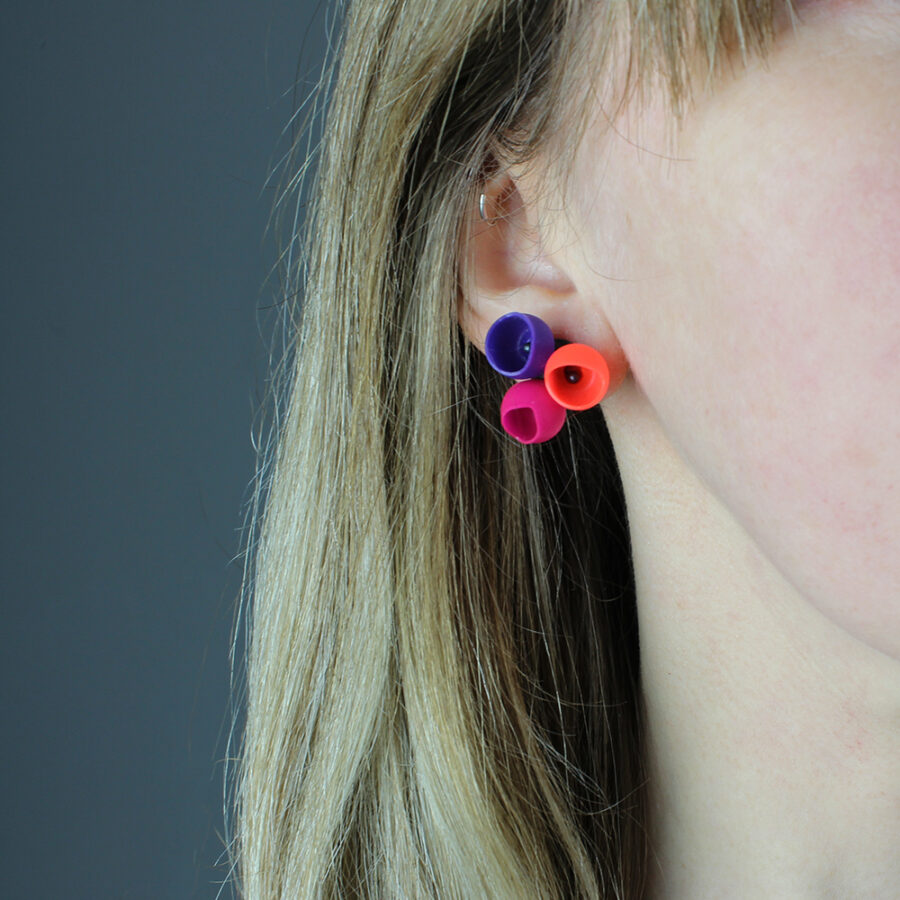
column 573, row 376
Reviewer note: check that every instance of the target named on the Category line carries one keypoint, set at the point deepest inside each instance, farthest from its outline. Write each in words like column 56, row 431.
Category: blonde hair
column 442, row 680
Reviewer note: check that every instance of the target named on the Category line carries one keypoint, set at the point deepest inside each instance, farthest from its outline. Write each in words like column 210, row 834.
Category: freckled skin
column 760, row 306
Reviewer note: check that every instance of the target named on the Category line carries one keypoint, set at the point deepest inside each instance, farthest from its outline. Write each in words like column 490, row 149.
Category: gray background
column 140, row 160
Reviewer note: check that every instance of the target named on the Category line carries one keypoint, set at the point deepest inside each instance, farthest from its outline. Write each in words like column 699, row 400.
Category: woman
column 656, row 655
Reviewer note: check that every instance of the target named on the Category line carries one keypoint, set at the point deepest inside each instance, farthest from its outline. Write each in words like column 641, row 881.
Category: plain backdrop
column 140, row 159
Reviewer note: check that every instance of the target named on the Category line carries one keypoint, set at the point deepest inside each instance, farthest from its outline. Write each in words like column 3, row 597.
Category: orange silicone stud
column 576, row 376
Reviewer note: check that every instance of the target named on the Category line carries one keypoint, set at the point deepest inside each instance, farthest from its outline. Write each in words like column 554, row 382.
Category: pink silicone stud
column 530, row 414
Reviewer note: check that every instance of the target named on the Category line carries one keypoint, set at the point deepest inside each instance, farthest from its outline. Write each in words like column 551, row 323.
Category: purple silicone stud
column 518, row 345
column 530, row 414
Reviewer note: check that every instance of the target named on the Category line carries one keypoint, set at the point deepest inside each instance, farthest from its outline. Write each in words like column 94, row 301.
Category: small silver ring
column 481, row 205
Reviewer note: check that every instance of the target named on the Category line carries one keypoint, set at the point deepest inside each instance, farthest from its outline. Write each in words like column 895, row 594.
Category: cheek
column 775, row 366
column 813, row 439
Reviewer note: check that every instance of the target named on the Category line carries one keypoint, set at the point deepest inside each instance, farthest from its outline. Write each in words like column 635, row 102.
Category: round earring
column 529, row 414
column 518, row 345
column 574, row 376
column 577, row 376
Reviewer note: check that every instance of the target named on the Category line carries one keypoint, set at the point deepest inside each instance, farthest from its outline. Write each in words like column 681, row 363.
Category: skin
column 746, row 271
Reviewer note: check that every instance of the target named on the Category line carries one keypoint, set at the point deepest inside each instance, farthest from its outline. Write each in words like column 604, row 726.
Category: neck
column 774, row 736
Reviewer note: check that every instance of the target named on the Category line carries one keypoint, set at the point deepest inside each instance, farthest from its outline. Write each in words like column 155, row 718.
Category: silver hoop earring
column 481, row 206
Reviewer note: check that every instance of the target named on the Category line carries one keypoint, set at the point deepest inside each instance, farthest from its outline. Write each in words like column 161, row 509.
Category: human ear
column 516, row 258
column 504, row 265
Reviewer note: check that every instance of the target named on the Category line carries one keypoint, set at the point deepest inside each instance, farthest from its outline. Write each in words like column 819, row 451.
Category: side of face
column 750, row 269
